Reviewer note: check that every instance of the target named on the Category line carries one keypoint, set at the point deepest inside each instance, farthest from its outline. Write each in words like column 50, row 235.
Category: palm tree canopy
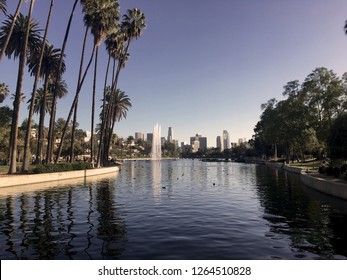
column 102, row 17
column 3, row 6
column 17, row 40
column 39, row 100
column 134, row 22
column 60, row 88
column 4, row 91
column 50, row 62
column 121, row 105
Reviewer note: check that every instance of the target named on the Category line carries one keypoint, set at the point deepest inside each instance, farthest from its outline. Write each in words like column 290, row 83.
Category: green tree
column 323, row 90
column 337, row 140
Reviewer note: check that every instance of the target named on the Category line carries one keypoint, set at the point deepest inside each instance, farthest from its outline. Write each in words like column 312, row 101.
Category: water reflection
column 308, row 222
column 175, row 210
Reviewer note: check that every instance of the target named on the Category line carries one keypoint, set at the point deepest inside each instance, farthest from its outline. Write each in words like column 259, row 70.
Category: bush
column 61, row 167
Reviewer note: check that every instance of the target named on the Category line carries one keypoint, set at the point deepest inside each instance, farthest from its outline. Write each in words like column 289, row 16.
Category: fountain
column 156, row 143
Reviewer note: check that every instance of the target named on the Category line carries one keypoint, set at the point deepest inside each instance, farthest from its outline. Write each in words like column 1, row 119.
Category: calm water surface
column 180, row 209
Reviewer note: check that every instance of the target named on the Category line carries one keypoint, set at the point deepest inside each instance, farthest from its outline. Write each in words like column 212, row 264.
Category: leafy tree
column 337, row 140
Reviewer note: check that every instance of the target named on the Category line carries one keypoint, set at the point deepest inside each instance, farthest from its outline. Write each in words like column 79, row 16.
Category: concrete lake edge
column 19, row 180
column 323, row 184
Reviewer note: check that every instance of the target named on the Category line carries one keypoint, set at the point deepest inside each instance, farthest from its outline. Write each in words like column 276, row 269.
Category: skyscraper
column 226, row 140
column 170, row 135
column 219, row 143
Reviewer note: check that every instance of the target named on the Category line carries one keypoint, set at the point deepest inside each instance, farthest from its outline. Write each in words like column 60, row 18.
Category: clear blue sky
column 203, row 66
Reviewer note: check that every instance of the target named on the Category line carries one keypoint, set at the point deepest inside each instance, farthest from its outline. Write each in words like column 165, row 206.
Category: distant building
column 242, row 140
column 219, row 143
column 170, row 135
column 162, row 139
column 198, row 142
column 138, row 135
column 150, row 137
column 226, row 140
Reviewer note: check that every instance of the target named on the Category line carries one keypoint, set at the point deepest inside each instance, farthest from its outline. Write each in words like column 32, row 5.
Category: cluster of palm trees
column 20, row 37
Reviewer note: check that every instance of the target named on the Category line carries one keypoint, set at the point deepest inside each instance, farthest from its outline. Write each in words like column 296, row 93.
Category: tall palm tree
column 133, row 24
column 4, row 91
column 50, row 138
column 49, row 66
column 10, row 30
column 120, row 107
column 25, row 164
column 24, row 39
column 102, row 17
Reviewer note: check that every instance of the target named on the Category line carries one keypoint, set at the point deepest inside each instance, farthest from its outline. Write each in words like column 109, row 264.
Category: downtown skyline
column 203, row 74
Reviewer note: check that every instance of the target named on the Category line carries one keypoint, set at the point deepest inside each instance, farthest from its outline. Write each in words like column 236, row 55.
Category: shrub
column 61, row 167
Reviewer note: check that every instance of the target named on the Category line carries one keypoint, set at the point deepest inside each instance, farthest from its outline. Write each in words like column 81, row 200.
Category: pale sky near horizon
column 201, row 66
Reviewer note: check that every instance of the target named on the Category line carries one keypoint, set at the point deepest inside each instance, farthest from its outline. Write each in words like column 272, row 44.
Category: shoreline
column 21, row 180
column 321, row 183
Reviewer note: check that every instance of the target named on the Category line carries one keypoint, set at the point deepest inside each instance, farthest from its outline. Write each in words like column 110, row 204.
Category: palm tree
column 102, row 17
column 4, row 91
column 25, row 165
column 3, row 6
column 24, row 39
column 39, row 101
column 49, row 66
column 10, row 30
column 120, row 107
column 134, row 22
column 50, row 144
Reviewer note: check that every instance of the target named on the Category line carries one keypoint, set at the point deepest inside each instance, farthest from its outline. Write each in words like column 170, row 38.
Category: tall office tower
column 219, row 143
column 198, row 142
column 170, row 135
column 138, row 135
column 150, row 137
column 226, row 140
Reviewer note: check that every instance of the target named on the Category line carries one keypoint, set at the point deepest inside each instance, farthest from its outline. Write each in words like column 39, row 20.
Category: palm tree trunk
column 50, row 137
column 93, row 107
column 25, row 165
column 41, row 138
column 73, row 106
column 72, row 145
column 16, row 103
column 11, row 29
column 98, row 162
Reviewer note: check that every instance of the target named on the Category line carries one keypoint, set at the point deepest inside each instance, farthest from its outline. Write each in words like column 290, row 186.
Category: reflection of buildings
column 156, row 179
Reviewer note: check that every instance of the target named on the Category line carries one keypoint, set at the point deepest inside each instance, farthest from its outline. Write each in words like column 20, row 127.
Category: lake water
column 183, row 209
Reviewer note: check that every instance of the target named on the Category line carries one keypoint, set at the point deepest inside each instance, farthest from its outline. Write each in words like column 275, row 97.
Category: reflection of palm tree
column 25, row 37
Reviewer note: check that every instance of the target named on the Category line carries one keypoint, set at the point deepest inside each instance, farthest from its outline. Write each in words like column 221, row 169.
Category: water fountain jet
column 156, row 143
